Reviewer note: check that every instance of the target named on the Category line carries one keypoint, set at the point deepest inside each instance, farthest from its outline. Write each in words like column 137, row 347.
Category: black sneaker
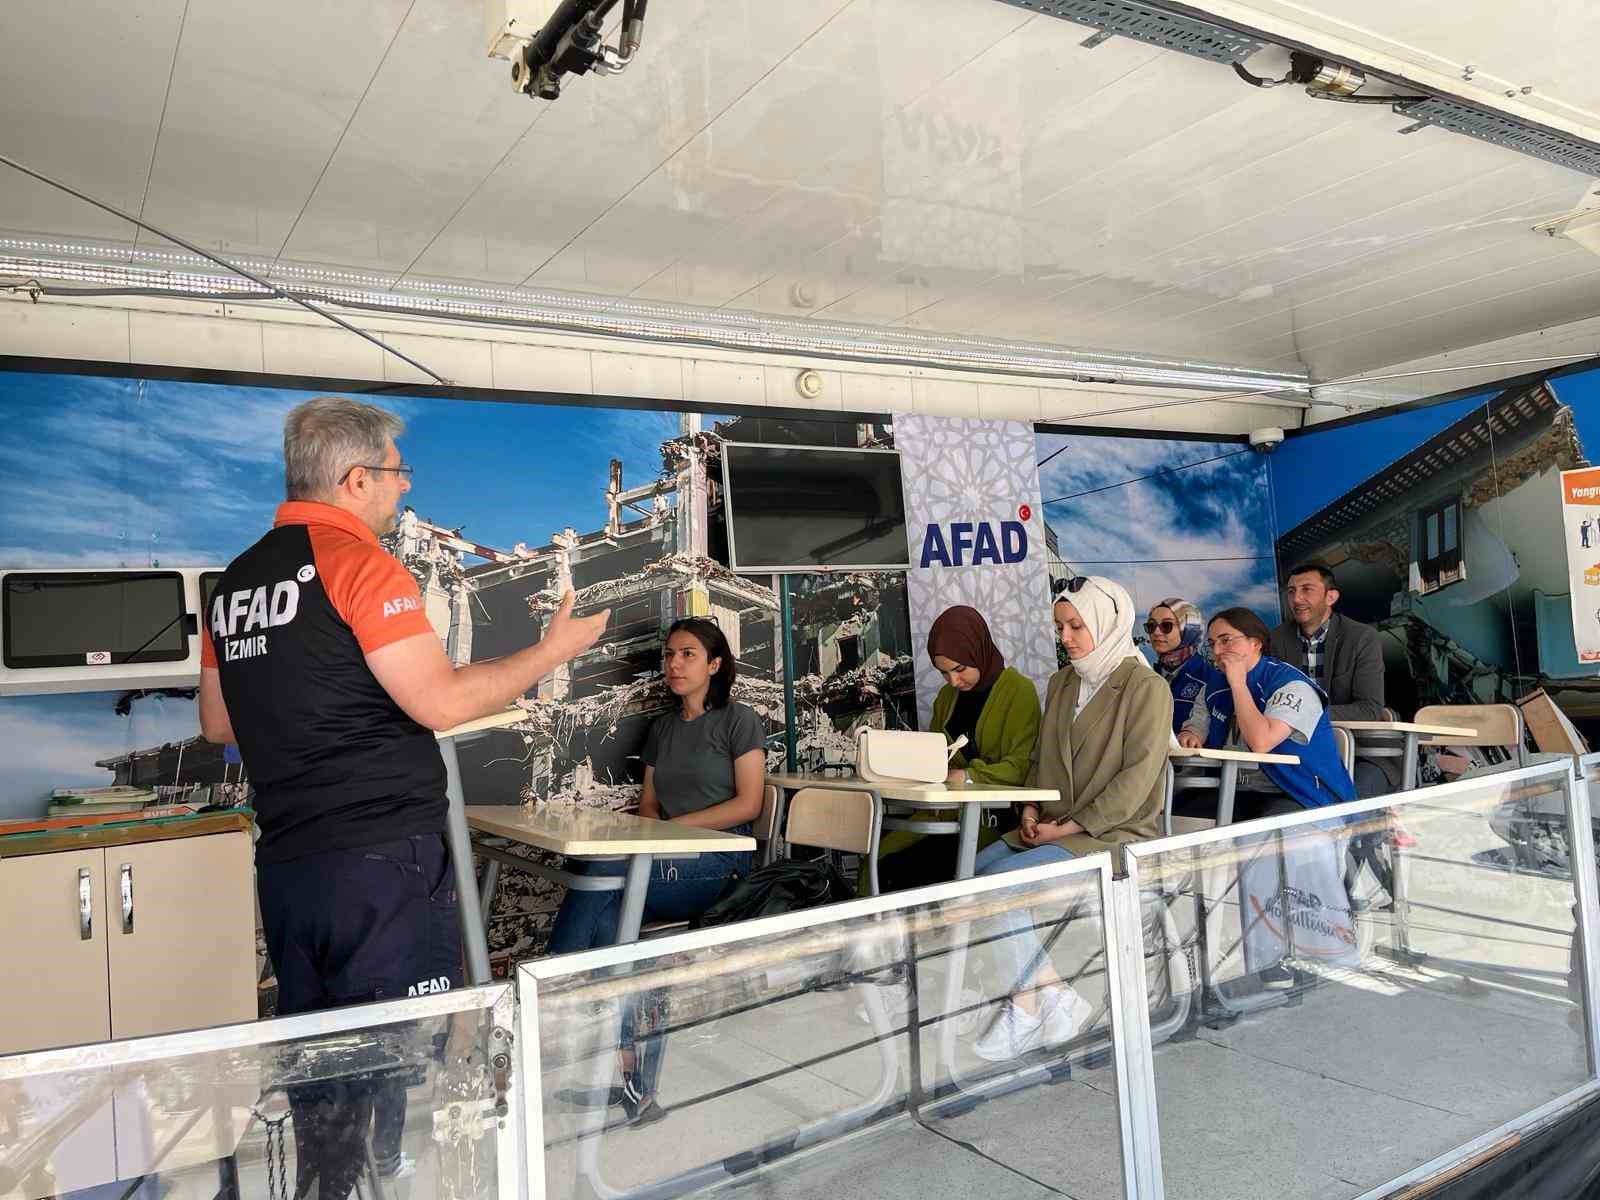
column 610, row 1097
column 639, row 1108
column 1277, row 978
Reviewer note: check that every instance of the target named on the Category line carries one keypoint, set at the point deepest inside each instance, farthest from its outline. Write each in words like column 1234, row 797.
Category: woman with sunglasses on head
column 1267, row 706
column 996, row 708
column 704, row 764
column 1175, row 630
column 1103, row 745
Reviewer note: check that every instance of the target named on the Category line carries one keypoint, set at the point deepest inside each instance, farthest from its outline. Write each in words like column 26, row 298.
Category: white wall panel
column 215, row 343
column 542, row 368
column 64, row 331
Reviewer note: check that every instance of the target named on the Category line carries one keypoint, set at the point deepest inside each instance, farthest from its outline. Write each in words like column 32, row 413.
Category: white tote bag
column 900, row 756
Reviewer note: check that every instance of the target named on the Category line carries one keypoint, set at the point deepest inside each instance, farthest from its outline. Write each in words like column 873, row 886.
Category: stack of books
column 85, row 802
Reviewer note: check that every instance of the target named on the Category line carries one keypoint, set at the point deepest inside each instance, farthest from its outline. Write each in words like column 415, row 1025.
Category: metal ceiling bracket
column 1146, row 23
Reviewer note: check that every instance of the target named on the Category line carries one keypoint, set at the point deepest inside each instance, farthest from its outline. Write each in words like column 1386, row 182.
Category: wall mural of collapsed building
column 1443, row 526
column 513, row 503
column 658, row 556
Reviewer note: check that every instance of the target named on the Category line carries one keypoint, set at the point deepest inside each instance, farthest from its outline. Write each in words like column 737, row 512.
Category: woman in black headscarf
column 997, row 709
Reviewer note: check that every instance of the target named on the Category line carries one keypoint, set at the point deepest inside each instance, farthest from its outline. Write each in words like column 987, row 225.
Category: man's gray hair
column 325, row 437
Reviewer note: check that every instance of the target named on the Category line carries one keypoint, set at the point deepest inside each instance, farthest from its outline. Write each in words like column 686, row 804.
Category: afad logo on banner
column 973, row 543
column 1580, row 523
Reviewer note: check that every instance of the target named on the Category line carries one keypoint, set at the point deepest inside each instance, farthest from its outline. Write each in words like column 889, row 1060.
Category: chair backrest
column 834, row 819
column 831, row 819
column 766, row 826
column 1496, row 725
column 1346, row 742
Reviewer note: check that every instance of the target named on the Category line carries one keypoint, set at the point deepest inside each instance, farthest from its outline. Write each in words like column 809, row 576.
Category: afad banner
column 1580, row 520
column 977, row 536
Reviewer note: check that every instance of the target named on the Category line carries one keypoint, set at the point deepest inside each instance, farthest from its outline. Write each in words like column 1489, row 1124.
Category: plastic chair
column 832, row 819
column 1497, row 725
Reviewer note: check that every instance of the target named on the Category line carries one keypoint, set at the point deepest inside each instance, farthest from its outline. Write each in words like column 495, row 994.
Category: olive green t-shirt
column 693, row 760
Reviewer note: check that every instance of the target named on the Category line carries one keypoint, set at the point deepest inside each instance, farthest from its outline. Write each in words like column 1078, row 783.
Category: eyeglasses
column 1076, row 584
column 1160, row 626
column 402, row 469
column 1223, row 641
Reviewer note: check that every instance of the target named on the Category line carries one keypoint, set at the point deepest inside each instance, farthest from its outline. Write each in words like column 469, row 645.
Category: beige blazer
column 1109, row 762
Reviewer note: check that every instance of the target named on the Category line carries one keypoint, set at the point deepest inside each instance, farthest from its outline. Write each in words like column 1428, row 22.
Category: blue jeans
column 1020, row 942
column 680, row 888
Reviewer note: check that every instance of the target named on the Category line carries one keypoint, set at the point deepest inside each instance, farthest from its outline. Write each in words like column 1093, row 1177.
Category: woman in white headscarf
column 1103, row 745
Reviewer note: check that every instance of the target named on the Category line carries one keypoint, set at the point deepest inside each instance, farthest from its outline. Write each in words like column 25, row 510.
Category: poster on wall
column 976, row 533
column 1580, row 518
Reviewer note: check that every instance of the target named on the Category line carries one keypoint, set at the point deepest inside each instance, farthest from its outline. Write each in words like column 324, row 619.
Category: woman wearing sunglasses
column 1269, row 707
column 1175, row 630
column 1103, row 745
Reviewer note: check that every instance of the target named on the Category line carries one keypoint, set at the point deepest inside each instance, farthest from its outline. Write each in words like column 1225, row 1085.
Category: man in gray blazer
column 1343, row 656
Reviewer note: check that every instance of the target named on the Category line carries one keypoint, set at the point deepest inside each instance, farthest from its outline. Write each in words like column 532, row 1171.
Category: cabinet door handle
column 85, row 905
column 127, row 897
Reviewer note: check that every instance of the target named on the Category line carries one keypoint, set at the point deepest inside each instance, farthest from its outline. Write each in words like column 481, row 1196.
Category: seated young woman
column 996, row 708
column 1269, row 707
column 703, row 765
column 1176, row 630
column 1103, row 745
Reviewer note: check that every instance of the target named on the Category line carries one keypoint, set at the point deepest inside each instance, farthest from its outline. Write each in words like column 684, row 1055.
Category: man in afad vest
column 319, row 662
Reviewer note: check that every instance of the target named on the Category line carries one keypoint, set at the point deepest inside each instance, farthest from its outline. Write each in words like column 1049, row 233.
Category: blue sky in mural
column 1163, row 517
column 190, row 473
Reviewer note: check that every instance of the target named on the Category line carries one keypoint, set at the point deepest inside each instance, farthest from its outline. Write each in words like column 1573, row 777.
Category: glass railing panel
column 838, row 1052
column 1417, row 996
column 400, row 1101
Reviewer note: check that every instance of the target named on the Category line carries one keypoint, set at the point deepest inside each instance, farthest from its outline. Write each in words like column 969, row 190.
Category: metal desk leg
column 491, row 879
column 468, row 902
column 633, row 893
column 1227, row 785
column 1400, row 870
column 967, row 841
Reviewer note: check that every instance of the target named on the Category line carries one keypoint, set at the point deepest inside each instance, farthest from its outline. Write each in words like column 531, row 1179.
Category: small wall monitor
column 99, row 630
column 794, row 509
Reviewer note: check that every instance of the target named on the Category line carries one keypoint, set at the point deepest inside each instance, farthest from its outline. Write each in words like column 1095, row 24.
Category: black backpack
column 779, row 887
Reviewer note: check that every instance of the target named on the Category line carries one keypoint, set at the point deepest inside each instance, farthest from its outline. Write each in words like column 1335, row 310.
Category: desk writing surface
column 1239, row 756
column 499, row 720
column 583, row 831
column 918, row 793
column 1405, row 727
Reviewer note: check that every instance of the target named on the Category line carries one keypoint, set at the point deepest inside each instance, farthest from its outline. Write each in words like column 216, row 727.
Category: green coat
column 1001, row 746
column 999, row 749
column 1108, row 762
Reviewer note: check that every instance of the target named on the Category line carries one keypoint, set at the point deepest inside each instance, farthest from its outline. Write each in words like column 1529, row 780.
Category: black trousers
column 377, row 922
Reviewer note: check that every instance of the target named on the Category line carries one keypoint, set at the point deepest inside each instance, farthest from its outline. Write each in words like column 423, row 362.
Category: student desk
column 967, row 799
column 573, row 832
column 1376, row 739
column 1226, row 764
column 597, row 833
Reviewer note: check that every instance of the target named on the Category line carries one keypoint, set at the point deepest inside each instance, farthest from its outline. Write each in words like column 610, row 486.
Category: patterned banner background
column 965, row 480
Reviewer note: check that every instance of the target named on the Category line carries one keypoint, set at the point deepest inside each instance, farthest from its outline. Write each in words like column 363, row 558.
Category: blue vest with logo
column 1188, row 683
column 1319, row 779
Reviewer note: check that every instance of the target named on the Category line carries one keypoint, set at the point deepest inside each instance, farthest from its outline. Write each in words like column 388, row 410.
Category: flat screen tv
column 86, row 618
column 794, row 509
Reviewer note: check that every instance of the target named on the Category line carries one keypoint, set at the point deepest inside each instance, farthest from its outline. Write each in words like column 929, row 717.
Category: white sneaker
column 1066, row 1014
column 1013, row 1034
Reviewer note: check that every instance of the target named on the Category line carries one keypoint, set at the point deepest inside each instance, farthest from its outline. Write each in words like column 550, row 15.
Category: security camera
column 1265, row 441
column 549, row 39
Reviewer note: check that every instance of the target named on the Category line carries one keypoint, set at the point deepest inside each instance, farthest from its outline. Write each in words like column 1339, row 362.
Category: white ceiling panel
column 252, row 120
column 92, row 126
column 961, row 166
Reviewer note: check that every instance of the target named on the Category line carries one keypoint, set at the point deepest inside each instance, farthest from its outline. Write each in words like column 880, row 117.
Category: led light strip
column 640, row 320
